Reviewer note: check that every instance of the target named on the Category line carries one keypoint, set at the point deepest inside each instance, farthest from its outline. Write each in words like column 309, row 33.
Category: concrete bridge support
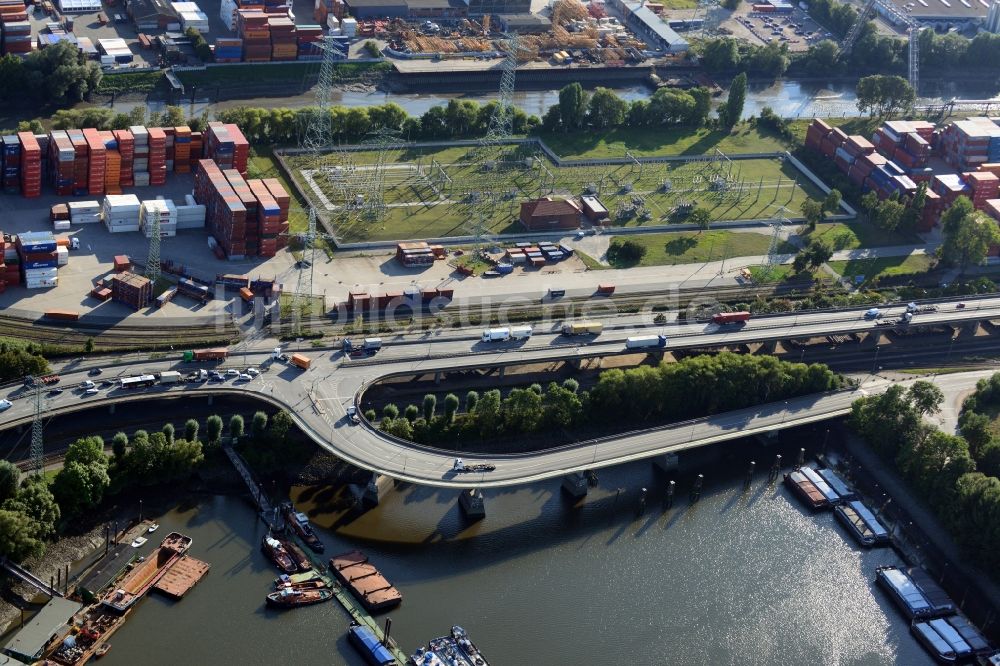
column 575, row 485
column 111, row 408
column 769, row 347
column 472, row 503
column 369, row 494
column 668, row 462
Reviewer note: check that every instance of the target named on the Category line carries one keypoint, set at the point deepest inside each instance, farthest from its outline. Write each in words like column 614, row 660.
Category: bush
column 625, row 252
column 372, row 49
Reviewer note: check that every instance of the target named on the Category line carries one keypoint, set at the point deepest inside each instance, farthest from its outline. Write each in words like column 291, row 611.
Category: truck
column 496, row 335
column 605, row 289
column 301, row 361
column 520, row 332
column 197, row 376
column 583, row 328
column 217, row 354
column 372, row 344
column 730, row 317
column 646, row 341
column 170, row 377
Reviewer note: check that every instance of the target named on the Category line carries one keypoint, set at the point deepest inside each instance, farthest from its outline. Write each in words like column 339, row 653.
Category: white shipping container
column 60, row 225
column 40, row 273
column 62, row 254
column 42, row 284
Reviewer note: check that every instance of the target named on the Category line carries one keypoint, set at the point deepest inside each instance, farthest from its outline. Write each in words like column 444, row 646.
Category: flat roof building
column 29, row 643
column 649, row 27
column 524, row 24
column 373, row 9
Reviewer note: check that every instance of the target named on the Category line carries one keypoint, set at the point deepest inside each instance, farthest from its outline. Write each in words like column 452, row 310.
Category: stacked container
column 158, row 209
column 985, row 186
column 226, row 216
column 84, row 212
column 182, row 149
column 191, row 215
column 966, row 144
column 11, row 163
column 949, row 186
column 227, row 146
column 197, row 149
column 140, row 164
column 31, row 165
column 121, row 213
column 157, row 156
column 309, row 38
column 61, row 162
column 280, row 235
column 133, row 290
column 96, row 161
column 39, row 260
column 228, row 49
column 79, row 161
column 126, row 150
column 113, row 168
column 16, row 35
column 252, row 27
column 284, row 45
column 249, row 201
column 227, row 12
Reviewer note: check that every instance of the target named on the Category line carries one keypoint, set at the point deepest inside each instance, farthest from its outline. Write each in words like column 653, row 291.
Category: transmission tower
column 502, row 120
column 777, row 224
column 153, row 258
column 893, row 13
column 37, row 449
column 914, row 33
column 382, row 142
column 851, row 38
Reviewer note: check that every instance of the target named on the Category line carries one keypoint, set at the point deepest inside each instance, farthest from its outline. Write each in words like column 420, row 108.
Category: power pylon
column 502, row 120
column 153, row 258
column 37, row 448
column 778, row 223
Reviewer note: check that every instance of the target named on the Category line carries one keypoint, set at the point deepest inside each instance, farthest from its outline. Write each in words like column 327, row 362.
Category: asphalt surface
column 318, row 398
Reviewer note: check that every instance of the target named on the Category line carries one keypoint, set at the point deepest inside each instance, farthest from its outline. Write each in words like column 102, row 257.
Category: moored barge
column 364, row 581
column 456, row 649
column 833, row 479
column 299, row 522
column 288, row 597
column 147, row 573
column 370, row 647
column 950, row 639
column 806, row 490
column 915, row 594
column 862, row 524
column 831, row 495
column 298, row 557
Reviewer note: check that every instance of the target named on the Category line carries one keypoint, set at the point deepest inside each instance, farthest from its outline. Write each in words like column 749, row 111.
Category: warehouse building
column 958, row 14
column 649, row 27
column 550, row 214
column 481, row 7
column 524, row 24
column 374, row 9
column 431, row 9
column 152, row 15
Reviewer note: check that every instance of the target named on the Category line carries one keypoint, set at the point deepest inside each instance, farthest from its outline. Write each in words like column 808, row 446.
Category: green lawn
column 669, row 249
column 778, row 273
column 647, row 142
column 263, row 165
column 883, row 267
column 263, row 73
column 853, row 235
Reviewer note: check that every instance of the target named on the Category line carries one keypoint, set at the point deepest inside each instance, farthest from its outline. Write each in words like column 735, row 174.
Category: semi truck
column 217, row 354
column 646, row 341
column 170, row 377
column 301, row 361
column 583, row 328
column 372, row 344
column 731, row 317
column 503, row 334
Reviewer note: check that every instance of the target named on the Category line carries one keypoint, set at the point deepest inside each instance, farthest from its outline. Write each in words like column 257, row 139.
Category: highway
column 318, row 398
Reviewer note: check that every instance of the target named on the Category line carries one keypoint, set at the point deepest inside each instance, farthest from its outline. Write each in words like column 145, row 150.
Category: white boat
column 139, row 542
column 152, row 528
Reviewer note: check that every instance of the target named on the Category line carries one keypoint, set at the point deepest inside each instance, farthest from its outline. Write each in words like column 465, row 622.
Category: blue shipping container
column 52, row 263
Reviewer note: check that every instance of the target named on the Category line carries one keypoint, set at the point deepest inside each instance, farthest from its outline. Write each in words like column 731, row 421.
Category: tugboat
column 274, row 550
column 299, row 523
column 293, row 598
column 102, row 650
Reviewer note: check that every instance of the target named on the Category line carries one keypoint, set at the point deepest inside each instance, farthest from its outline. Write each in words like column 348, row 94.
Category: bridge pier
column 437, row 377
column 472, row 503
column 668, row 500
column 768, row 347
column 575, row 485
column 211, row 400
column 503, row 371
column 668, row 462
column 369, row 495
column 111, row 408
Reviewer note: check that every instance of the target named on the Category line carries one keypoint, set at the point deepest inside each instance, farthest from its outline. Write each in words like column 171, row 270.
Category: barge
column 456, row 649
column 299, row 522
column 147, row 573
column 915, row 594
column 950, row 639
column 364, row 641
column 354, row 572
column 838, row 485
column 806, row 490
column 297, row 578
column 831, row 495
column 277, row 554
column 862, row 524
column 302, row 562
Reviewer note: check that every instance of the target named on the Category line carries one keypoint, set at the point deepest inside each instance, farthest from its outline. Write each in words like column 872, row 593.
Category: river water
column 790, row 99
column 738, row 578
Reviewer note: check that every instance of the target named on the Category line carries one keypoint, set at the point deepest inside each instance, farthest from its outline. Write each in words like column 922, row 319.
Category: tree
column 975, row 428
column 884, row 95
column 430, row 404
column 451, row 403
column 372, row 49
column 191, row 430
column 35, row 500
column 572, row 106
column 571, row 384
column 168, row 432
column 411, row 413
column 281, row 425
column 258, row 426
column 812, row 211
column 561, row 406
column 213, row 428
column 471, row 399
column 625, row 252
column 831, row 202
column 735, row 101
column 968, row 236
column 119, row 445
column 236, row 426
column 925, row 397
column 988, row 459
column 10, row 475
column 88, row 346
column 488, row 413
column 720, row 55
column 80, row 486
column 606, row 109
column 390, row 411
column 87, row 450
column 522, row 411
column 60, row 74
column 17, row 540
column 701, row 217
column 978, row 511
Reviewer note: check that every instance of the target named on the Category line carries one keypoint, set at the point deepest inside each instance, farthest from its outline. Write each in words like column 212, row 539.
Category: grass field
column 427, row 192
column 851, row 236
column 883, row 267
column 669, row 249
column 264, row 73
column 647, row 142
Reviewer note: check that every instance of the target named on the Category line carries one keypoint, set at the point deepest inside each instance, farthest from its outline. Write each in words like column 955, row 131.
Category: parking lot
column 796, row 29
column 88, row 25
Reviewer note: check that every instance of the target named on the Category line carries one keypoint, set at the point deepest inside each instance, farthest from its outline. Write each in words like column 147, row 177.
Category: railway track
column 113, row 338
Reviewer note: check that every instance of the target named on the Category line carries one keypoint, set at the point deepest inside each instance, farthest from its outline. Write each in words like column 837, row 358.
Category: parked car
column 87, row 384
column 243, row 377
column 5, row 405
column 253, row 372
column 232, row 372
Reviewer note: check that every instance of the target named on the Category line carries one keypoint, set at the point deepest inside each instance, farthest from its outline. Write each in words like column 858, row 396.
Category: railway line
column 119, row 337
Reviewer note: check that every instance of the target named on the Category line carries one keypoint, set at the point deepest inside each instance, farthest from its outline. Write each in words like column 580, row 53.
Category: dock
column 180, row 578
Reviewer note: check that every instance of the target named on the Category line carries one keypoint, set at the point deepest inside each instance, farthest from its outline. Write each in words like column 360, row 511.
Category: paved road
column 318, row 398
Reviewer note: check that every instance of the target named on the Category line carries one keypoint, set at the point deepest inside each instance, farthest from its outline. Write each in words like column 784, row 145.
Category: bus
column 139, row 381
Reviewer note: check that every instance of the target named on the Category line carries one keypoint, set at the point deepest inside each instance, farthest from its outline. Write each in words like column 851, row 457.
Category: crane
column 893, row 13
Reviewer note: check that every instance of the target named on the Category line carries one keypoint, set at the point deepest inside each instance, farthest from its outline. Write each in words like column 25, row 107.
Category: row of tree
column 58, row 74
column 939, row 467
column 603, row 109
column 694, row 387
column 727, row 54
column 107, row 119
column 18, row 361
column 976, row 425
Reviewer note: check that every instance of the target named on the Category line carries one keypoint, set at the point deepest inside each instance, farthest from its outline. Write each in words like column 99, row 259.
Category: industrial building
column 374, row 9
column 943, row 13
column 649, row 27
column 436, row 8
column 524, row 24
column 481, row 7
column 152, row 14
column 550, row 214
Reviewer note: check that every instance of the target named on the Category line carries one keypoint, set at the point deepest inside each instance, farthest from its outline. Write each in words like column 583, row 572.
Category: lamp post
column 875, row 362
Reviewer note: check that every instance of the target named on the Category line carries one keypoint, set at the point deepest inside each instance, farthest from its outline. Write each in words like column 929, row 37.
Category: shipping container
column 301, row 361
column 62, row 315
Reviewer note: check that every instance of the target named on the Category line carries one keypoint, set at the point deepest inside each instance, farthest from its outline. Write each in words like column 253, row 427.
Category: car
column 960, row 306
column 872, row 313
column 108, row 382
column 55, row 391
column 253, row 372
column 232, row 372
column 217, row 378
column 352, row 414
column 243, row 377
column 87, row 384
column 92, row 391
column 5, row 405
column 95, row 371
